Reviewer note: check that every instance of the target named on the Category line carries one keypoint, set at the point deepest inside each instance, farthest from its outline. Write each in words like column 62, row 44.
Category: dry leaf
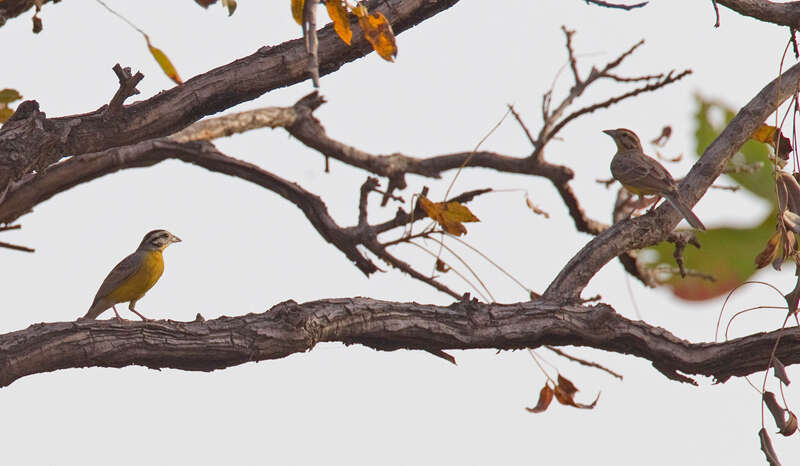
column 792, row 299
column 5, row 113
column 790, row 427
column 786, row 426
column 766, row 447
column 545, row 397
column 448, row 214
column 565, row 391
column 534, row 208
column 297, row 11
column 230, row 5
column 788, row 192
column 163, row 62
column 9, row 95
column 662, row 138
column 566, row 385
column 379, row 33
column 780, row 370
column 773, row 136
column 791, row 220
column 441, row 266
column 337, row 10
column 770, row 250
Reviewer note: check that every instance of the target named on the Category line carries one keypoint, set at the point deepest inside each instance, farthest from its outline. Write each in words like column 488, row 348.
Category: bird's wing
column 644, row 174
column 121, row 272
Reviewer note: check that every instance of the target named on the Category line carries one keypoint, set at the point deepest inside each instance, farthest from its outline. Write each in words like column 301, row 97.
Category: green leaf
column 760, row 182
column 727, row 254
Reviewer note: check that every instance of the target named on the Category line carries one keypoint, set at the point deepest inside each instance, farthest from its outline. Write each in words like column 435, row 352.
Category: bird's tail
column 98, row 306
column 685, row 211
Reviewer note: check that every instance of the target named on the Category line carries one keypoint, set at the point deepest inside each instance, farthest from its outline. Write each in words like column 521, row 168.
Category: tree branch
column 785, row 14
column 290, row 328
column 656, row 226
column 39, row 141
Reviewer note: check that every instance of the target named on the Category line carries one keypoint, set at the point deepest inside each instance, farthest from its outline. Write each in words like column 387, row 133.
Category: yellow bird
column 643, row 175
column 133, row 276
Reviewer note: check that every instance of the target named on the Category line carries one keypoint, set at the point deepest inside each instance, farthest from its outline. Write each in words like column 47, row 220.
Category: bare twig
column 310, row 36
column 16, row 247
column 681, row 239
column 732, row 188
column 619, row 6
column 583, row 362
column 522, row 124
column 127, row 88
column 716, row 12
column 10, row 227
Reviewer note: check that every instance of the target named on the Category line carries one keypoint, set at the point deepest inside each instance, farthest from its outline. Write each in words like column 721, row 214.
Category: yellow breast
column 142, row 280
column 639, row 191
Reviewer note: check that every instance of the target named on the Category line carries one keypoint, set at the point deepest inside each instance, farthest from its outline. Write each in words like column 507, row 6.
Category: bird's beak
column 175, row 239
column 609, row 132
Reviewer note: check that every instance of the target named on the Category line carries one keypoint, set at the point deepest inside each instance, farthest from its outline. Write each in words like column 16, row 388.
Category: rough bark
column 33, row 141
column 785, row 14
column 290, row 328
column 654, row 227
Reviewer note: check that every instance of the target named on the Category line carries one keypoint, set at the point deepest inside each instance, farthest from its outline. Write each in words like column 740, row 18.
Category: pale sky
column 245, row 249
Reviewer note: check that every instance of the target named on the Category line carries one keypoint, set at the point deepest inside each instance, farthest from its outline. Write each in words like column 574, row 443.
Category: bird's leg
column 114, row 307
column 655, row 203
column 130, row 307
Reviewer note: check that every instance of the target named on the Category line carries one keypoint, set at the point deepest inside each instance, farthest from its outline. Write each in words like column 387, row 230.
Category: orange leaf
column 535, row 209
column 360, row 10
column 297, row 11
column 773, row 136
column 565, row 391
column 448, row 214
column 5, row 113
column 545, row 397
column 379, row 33
column 163, row 62
column 566, row 385
column 230, row 5
column 9, row 95
column 341, row 22
column 441, row 266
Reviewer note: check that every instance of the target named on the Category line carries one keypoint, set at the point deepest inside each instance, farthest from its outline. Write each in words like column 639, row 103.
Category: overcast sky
column 245, row 249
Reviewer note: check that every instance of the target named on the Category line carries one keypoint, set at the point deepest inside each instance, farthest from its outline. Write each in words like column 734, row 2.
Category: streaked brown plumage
column 643, row 175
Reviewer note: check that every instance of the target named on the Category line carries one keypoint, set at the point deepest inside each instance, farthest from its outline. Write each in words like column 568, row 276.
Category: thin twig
column 716, row 12
column 16, row 247
column 522, row 124
column 10, row 227
column 583, row 362
column 616, row 5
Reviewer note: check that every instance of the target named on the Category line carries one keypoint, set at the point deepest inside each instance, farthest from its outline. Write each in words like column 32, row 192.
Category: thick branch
column 655, row 227
column 786, row 14
column 291, row 328
column 13, row 8
column 77, row 170
column 40, row 141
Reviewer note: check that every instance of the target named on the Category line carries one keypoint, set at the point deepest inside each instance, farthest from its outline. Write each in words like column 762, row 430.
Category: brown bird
column 643, row 175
